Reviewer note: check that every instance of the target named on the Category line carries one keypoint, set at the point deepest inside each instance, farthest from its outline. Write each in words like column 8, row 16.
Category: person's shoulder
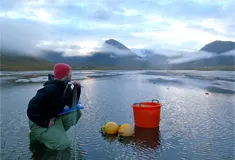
column 52, row 85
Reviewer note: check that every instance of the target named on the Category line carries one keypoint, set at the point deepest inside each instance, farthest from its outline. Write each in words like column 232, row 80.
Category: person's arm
column 78, row 88
column 37, row 106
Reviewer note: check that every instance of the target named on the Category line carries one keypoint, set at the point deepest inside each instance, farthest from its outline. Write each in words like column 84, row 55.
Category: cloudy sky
column 79, row 27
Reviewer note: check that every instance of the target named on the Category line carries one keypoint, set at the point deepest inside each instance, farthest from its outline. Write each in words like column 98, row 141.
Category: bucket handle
column 137, row 104
column 155, row 100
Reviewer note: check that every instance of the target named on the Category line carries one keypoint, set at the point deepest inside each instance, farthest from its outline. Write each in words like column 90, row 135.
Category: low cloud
column 230, row 53
column 191, row 56
column 107, row 48
column 140, row 24
column 21, row 36
column 59, row 46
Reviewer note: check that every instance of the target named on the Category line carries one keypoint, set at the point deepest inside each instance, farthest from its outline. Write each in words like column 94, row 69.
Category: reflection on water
column 40, row 152
column 110, row 138
column 219, row 90
column 165, row 81
column 193, row 125
column 147, row 137
column 142, row 138
column 125, row 140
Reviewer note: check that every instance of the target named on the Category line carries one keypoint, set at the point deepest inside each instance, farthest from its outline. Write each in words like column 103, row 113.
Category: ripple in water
column 193, row 125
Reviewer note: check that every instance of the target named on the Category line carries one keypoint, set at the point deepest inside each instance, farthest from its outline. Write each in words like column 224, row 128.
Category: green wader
column 55, row 136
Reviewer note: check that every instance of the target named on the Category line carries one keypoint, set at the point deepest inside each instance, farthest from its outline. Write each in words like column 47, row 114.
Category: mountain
column 143, row 52
column 116, row 49
column 112, row 54
column 222, row 57
column 156, row 61
column 216, row 61
column 219, row 47
column 116, row 44
column 57, row 57
column 19, row 62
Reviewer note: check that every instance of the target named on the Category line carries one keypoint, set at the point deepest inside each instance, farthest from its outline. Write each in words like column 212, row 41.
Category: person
column 46, row 127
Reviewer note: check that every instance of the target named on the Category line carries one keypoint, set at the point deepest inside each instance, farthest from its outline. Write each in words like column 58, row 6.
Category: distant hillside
column 219, row 47
column 216, row 61
column 112, row 57
column 220, row 60
column 156, row 61
column 113, row 54
column 18, row 62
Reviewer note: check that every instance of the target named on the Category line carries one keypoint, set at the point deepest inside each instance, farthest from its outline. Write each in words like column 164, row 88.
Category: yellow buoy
column 111, row 128
column 126, row 130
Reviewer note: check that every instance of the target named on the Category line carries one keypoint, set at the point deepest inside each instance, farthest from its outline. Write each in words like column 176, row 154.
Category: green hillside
column 15, row 62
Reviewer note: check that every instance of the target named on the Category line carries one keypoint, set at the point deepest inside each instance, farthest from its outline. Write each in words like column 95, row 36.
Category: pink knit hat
column 61, row 70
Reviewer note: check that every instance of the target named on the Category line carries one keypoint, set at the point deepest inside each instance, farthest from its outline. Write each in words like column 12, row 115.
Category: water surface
column 193, row 125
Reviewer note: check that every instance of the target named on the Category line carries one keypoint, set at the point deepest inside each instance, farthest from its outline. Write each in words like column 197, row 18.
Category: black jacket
column 49, row 101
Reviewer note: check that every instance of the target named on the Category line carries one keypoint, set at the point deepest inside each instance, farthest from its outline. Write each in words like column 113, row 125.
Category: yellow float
column 111, row 128
column 126, row 130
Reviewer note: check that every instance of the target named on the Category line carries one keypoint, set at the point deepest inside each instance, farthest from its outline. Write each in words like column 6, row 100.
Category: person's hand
column 77, row 84
column 51, row 123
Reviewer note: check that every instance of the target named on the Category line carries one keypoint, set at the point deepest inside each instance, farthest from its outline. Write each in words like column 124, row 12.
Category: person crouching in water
column 46, row 127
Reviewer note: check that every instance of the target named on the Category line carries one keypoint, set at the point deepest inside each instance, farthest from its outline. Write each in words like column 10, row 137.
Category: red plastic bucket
column 147, row 114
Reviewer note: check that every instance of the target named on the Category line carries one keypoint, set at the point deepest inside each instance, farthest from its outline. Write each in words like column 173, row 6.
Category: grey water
column 197, row 115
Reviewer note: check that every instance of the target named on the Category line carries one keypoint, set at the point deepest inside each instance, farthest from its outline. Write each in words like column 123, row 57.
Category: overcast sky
column 79, row 27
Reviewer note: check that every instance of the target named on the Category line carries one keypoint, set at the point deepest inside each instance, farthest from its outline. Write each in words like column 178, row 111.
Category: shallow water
column 193, row 125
